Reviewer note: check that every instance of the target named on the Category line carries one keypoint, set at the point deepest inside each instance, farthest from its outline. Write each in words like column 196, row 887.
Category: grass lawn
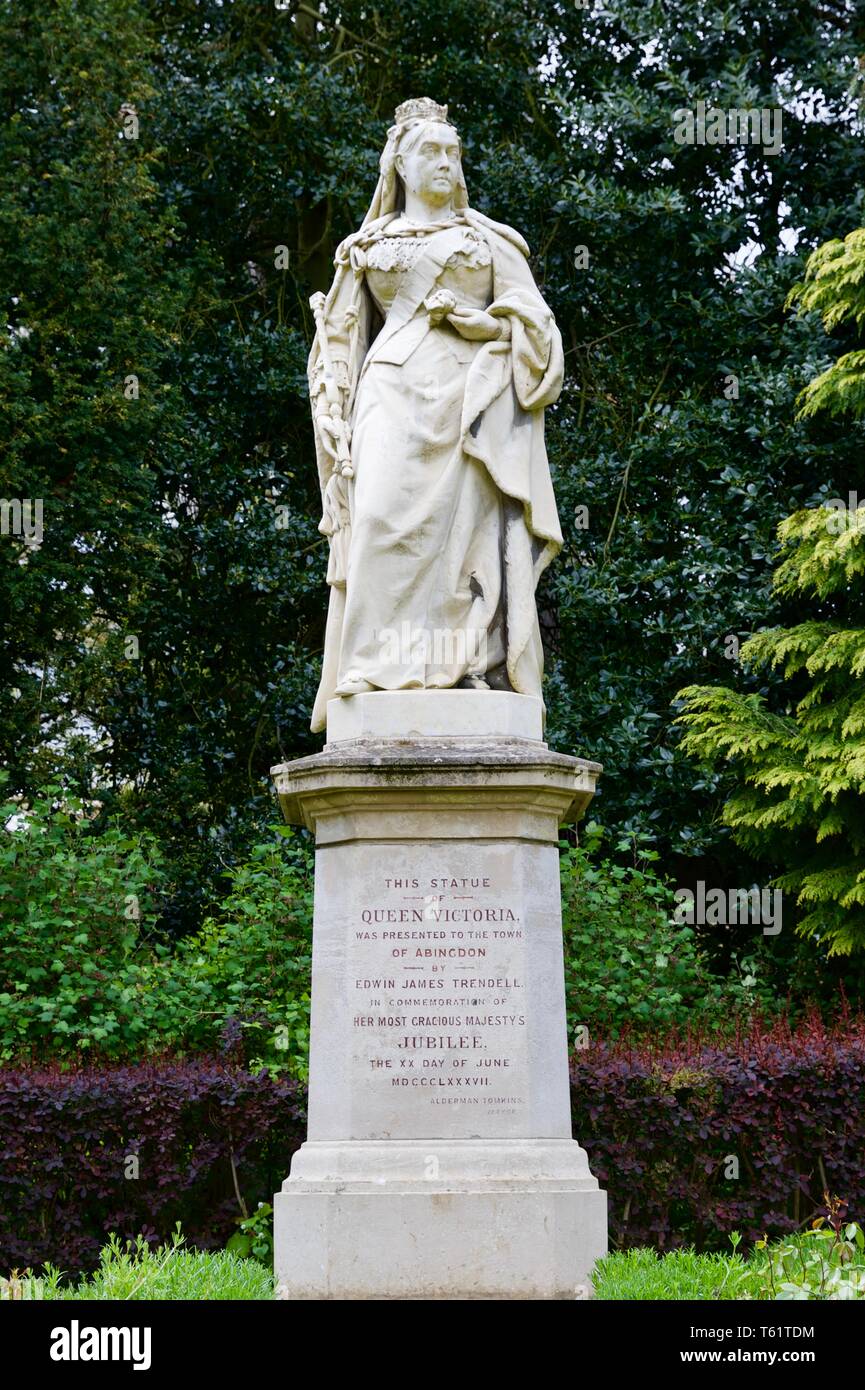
column 140, row 1273
column 815, row 1264
column 644, row 1274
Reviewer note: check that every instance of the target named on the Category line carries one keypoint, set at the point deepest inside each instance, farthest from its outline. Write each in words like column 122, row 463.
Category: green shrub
column 800, row 769
column 824, row 1263
column 76, row 905
column 628, row 963
column 243, row 981
column 81, row 969
column 253, row 1239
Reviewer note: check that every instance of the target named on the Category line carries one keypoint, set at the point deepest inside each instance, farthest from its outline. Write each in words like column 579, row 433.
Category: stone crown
column 420, row 107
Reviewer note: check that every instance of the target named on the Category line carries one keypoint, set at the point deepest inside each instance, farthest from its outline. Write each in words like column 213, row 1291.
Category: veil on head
column 388, row 197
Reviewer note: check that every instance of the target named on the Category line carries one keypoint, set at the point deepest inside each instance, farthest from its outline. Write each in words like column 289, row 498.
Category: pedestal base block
column 537, row 1242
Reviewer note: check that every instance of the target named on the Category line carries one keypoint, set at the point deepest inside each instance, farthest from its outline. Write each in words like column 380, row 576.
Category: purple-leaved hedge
column 132, row 1149
column 694, row 1138
column 691, row 1137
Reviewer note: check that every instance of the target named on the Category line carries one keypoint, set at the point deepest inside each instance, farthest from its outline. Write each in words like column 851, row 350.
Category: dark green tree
column 802, row 767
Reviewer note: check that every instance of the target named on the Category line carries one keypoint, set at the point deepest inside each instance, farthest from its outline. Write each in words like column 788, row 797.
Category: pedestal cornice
column 384, row 788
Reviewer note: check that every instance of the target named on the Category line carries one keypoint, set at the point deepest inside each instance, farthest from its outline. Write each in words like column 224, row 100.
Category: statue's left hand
column 475, row 324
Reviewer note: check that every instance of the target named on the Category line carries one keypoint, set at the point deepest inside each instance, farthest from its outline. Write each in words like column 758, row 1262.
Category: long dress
column 439, row 539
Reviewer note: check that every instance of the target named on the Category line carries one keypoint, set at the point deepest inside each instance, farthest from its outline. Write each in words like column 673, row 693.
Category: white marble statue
column 433, row 360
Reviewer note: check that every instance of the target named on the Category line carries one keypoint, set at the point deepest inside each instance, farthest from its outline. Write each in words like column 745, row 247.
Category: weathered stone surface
column 398, row 792
column 435, row 357
column 418, row 715
column 526, row 1243
column 439, row 1161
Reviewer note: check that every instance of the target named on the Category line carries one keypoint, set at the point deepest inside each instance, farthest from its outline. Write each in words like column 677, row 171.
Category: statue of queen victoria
column 434, row 358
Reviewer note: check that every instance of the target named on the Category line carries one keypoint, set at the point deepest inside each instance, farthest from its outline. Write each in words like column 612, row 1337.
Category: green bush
column 245, row 977
column 76, row 906
column 253, row 1239
column 81, row 968
column 628, row 963
column 824, row 1263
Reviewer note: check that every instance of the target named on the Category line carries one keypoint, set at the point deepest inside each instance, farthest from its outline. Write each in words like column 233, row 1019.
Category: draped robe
column 438, row 541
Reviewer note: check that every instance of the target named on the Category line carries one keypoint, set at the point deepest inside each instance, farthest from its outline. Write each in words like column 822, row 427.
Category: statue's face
column 430, row 166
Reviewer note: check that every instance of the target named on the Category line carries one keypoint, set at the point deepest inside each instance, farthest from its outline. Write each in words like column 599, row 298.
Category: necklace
column 416, row 226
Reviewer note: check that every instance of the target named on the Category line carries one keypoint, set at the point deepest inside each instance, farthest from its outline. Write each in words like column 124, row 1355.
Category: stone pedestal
column 440, row 1161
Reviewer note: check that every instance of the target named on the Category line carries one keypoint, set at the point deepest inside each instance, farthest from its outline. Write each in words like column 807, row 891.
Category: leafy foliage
column 82, row 967
column 628, row 965
column 826, row 1263
column 244, row 979
column 821, row 1263
column 834, row 285
column 253, row 1240
column 696, row 1138
column 132, row 1151
column 803, row 770
column 78, row 974
column 804, row 766
column 661, row 1120
column 813, row 1265
column 76, row 905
